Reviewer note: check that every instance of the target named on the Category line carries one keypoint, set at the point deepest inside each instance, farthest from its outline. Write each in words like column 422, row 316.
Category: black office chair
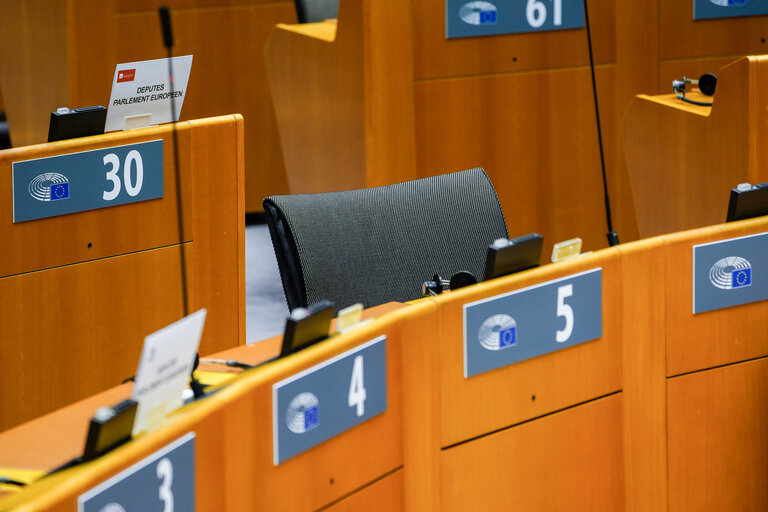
column 308, row 11
column 380, row 244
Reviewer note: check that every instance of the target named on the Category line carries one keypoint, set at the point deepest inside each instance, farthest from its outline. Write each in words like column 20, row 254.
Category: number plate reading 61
column 164, row 481
column 327, row 399
column 472, row 18
column 527, row 323
column 77, row 182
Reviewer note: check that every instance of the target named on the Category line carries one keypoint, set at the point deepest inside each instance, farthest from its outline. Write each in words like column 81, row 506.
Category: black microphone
column 165, row 23
column 613, row 237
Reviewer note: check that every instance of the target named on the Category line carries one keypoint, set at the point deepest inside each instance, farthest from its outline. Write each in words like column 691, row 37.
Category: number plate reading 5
column 327, row 399
column 527, row 323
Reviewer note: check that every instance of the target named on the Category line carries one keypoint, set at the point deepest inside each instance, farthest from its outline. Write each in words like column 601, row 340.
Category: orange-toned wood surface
column 643, row 374
column 79, row 292
column 612, row 427
column 57, row 53
column 718, row 438
column 533, row 387
column 345, row 100
column 233, row 443
column 384, row 494
column 684, row 159
column 714, row 338
column 571, row 460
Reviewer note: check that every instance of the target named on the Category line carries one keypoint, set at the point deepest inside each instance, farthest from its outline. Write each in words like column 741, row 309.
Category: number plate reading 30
column 164, row 481
column 527, row 323
column 77, row 182
column 327, row 399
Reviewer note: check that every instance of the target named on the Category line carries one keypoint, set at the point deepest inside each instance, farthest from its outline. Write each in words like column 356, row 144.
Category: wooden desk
column 233, row 444
column 663, row 403
column 683, row 159
column 63, row 53
column 80, row 290
column 496, row 438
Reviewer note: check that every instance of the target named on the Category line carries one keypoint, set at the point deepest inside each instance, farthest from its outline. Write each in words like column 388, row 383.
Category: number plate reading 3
column 327, row 399
column 163, row 482
column 77, row 182
column 527, row 323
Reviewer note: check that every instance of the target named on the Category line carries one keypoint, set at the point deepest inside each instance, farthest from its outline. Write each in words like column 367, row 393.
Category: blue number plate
column 527, row 323
column 77, row 182
column 730, row 272
column 327, row 399
column 487, row 18
column 164, row 479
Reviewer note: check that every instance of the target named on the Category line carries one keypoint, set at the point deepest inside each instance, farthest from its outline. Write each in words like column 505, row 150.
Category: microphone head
column 165, row 23
column 707, row 84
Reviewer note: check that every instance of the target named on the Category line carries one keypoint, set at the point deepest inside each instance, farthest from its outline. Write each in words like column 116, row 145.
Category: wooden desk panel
column 438, row 57
column 73, row 317
column 64, row 54
column 714, row 338
column 644, row 393
column 385, row 495
column 344, row 96
column 536, row 140
column 73, row 331
column 102, row 233
column 718, row 439
column 683, row 159
column 534, row 387
column 234, row 444
column 571, row 460
column 680, row 36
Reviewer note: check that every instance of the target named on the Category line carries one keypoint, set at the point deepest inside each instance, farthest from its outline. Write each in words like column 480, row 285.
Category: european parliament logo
column 49, row 186
column 302, row 414
column 479, row 13
column 729, row 3
column 731, row 272
column 498, row 332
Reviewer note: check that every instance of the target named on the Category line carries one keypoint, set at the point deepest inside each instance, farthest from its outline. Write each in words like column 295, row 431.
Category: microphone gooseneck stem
column 613, row 237
column 165, row 21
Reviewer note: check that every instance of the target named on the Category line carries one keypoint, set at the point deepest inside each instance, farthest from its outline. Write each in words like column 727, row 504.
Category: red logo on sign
column 126, row 75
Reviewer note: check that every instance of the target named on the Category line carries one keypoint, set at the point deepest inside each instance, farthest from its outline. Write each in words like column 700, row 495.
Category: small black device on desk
column 748, row 201
column 513, row 255
column 77, row 122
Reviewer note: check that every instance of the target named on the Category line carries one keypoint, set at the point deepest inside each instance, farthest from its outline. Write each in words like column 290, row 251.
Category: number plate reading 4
column 77, row 182
column 327, row 399
column 471, row 18
column 527, row 323
column 164, row 481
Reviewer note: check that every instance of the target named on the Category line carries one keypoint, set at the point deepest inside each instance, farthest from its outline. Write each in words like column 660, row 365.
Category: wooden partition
column 541, row 434
column 79, row 292
column 665, row 410
column 717, row 388
column 233, row 445
column 63, row 53
column 683, row 159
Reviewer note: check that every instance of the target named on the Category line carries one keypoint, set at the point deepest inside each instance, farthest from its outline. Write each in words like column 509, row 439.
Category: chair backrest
column 380, row 244
column 308, row 11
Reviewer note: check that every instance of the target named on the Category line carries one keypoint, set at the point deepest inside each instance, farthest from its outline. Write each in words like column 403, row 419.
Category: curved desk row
column 664, row 409
column 112, row 275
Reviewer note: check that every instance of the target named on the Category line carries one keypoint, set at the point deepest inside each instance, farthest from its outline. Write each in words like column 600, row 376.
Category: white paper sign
column 164, row 369
column 141, row 93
